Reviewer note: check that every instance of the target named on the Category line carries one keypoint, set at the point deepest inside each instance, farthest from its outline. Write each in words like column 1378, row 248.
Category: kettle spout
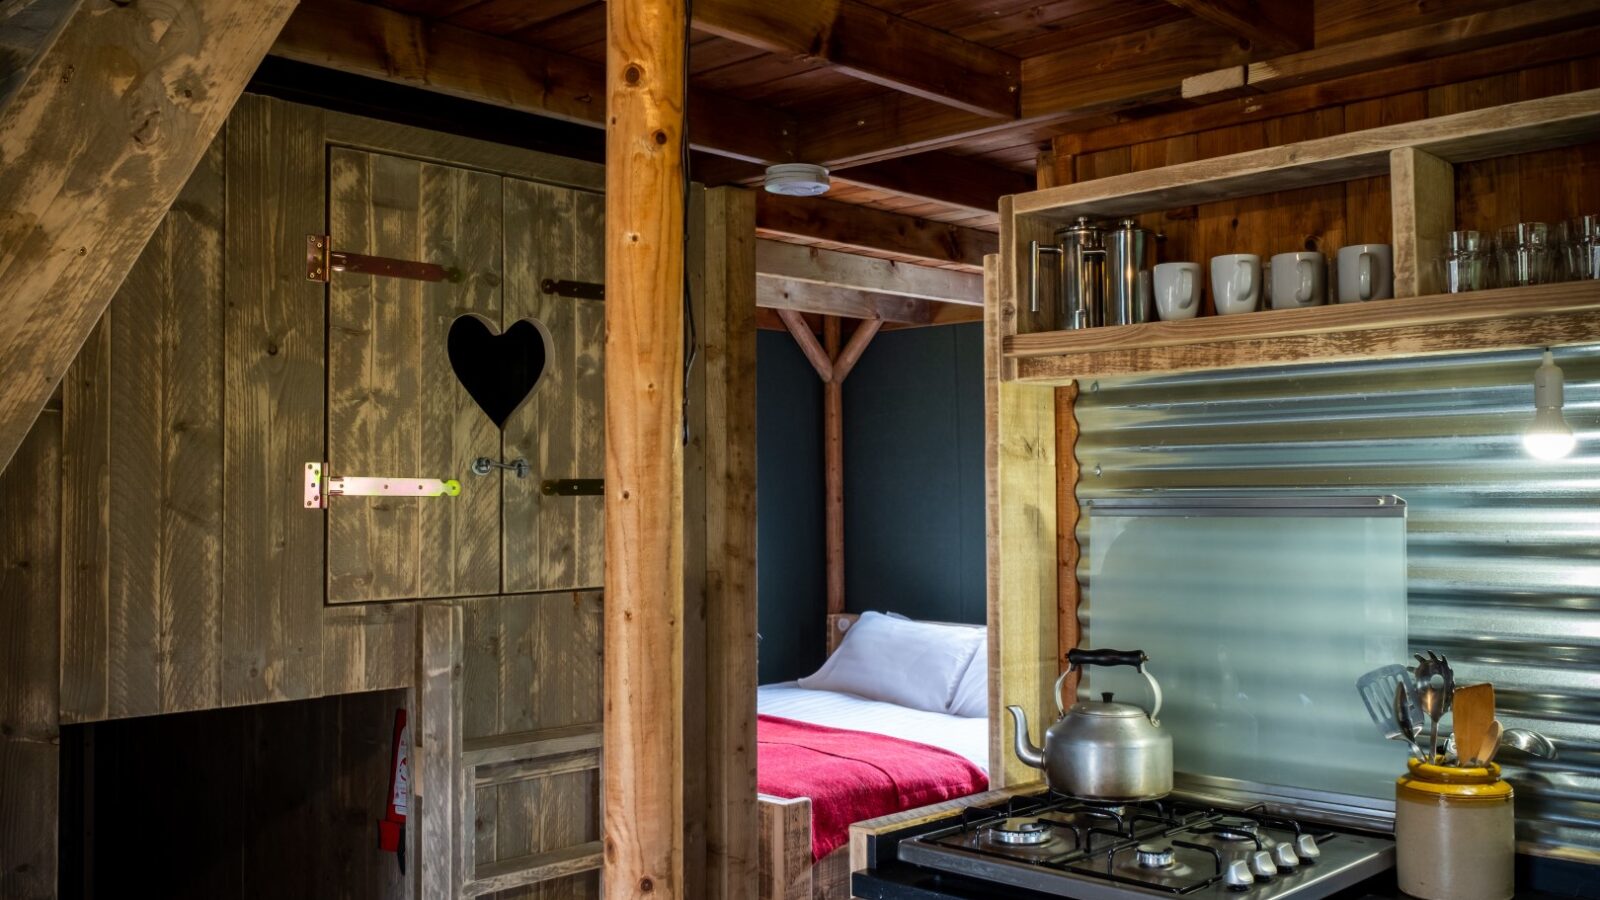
column 1026, row 751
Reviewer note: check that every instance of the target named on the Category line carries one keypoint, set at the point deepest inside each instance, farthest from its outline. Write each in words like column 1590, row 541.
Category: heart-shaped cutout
column 499, row 371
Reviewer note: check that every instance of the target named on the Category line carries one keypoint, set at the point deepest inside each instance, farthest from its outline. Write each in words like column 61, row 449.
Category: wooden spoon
column 1473, row 709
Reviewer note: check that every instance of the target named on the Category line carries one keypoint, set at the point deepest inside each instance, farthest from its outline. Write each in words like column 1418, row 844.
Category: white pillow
column 913, row 664
column 972, row 692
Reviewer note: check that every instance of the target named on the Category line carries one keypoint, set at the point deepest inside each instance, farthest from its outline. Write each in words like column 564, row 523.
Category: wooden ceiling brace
column 1272, row 27
column 97, row 145
column 643, row 757
column 873, row 45
column 864, row 228
column 833, row 365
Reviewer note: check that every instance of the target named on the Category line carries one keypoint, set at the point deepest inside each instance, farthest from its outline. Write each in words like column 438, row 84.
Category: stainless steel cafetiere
column 1102, row 276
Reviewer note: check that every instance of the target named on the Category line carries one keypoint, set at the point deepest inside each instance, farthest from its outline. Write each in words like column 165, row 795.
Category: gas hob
column 1057, row 846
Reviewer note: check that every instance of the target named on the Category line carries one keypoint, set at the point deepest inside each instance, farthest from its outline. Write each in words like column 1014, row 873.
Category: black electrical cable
column 691, row 337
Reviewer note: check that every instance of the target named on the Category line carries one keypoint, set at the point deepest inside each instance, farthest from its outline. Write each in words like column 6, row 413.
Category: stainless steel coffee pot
column 1103, row 274
column 1080, row 275
column 1100, row 749
column 1129, row 257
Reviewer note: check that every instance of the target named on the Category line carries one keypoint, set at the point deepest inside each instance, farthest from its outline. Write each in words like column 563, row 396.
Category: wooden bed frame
column 786, row 871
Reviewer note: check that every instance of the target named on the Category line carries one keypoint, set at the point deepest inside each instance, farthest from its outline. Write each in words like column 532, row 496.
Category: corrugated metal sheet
column 1504, row 550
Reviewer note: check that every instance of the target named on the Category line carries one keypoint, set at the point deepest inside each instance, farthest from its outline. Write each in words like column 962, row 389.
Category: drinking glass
column 1465, row 264
column 1526, row 256
column 1581, row 244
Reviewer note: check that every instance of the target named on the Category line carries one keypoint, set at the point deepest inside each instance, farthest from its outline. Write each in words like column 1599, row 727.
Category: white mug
column 1366, row 272
column 1299, row 279
column 1177, row 290
column 1236, row 283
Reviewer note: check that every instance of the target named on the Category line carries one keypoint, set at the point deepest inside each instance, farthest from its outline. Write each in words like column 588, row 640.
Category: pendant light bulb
column 1549, row 436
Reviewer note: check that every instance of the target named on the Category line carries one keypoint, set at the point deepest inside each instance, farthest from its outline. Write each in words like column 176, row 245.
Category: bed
column 924, row 755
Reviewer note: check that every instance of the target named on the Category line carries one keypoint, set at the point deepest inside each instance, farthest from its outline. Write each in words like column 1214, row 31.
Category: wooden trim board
column 1521, row 127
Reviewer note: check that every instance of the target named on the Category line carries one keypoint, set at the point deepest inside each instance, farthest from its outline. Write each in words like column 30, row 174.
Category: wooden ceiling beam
column 1107, row 76
column 875, row 46
column 810, row 298
column 960, row 181
column 864, row 228
column 1270, row 27
column 1226, row 111
column 363, row 39
column 863, row 273
column 97, row 145
column 1380, row 51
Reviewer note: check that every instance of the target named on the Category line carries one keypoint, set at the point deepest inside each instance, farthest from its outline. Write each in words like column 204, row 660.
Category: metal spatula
column 1377, row 689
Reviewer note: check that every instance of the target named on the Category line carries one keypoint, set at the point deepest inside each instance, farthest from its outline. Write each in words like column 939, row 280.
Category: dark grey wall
column 913, row 455
column 913, row 482
column 790, row 556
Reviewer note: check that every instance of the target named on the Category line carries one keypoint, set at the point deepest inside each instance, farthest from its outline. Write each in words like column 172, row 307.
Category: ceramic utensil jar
column 1454, row 833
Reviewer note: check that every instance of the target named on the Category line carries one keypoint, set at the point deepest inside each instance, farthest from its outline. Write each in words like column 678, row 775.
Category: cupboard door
column 556, row 543
column 395, row 407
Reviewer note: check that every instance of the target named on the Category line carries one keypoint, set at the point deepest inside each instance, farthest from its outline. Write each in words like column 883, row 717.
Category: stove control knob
column 1238, row 877
column 1261, row 864
column 1306, row 846
column 1285, row 857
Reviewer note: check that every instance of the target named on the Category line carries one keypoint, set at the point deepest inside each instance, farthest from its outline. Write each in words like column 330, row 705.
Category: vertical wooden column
column 643, row 733
column 1423, row 191
column 1020, row 463
column 833, row 468
column 728, row 336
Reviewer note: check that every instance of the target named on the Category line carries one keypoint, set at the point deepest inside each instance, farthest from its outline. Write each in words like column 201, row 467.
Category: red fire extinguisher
column 392, row 827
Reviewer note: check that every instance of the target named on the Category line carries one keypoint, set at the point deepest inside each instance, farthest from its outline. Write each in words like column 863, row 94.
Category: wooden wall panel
column 30, row 523
column 533, row 662
column 395, row 406
column 556, row 543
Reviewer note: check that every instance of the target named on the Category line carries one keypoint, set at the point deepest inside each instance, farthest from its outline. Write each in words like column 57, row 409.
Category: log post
column 643, row 730
column 833, row 468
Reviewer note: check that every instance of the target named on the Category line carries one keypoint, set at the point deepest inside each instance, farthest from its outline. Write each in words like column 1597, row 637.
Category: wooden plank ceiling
column 927, row 109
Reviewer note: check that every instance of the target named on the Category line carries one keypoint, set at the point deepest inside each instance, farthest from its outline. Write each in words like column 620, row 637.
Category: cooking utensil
column 1102, row 750
column 1491, row 743
column 1435, row 686
column 1377, row 690
column 1528, row 741
column 1472, row 708
column 1402, row 716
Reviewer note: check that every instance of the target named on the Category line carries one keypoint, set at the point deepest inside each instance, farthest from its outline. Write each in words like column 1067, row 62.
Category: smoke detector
column 797, row 180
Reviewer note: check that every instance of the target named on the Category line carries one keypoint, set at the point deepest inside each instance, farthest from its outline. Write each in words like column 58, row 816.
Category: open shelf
column 1419, row 158
column 1505, row 318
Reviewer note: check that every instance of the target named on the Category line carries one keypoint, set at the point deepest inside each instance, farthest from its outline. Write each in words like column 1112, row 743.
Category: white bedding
column 967, row 737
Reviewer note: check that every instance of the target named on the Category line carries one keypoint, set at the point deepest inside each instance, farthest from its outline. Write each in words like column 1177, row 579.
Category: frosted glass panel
column 1257, row 626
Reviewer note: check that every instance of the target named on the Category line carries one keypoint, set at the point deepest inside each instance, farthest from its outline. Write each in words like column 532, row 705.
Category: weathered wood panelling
column 556, row 543
column 30, row 522
column 532, row 663
column 395, row 406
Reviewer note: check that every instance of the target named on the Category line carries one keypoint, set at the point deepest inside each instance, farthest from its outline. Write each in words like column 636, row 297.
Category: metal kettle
column 1101, row 749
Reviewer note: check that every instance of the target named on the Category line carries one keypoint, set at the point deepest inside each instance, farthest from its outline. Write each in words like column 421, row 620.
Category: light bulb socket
column 1549, row 385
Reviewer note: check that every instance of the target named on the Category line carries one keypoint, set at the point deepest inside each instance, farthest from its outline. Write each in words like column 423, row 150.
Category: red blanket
column 855, row 775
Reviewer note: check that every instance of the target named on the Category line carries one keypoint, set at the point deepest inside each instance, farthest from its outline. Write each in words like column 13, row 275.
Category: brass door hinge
column 319, row 488
column 322, row 261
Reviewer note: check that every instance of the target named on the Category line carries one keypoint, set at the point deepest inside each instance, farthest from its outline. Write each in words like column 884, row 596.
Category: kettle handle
column 1077, row 658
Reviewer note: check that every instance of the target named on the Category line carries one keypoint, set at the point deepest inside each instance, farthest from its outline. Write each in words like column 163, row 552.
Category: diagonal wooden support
column 818, row 357
column 852, row 351
column 97, row 141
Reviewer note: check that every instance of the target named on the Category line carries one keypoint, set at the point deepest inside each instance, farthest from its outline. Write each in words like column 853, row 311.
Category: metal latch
column 577, row 290
column 573, row 487
column 322, row 261
column 319, row 489
column 483, row 465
